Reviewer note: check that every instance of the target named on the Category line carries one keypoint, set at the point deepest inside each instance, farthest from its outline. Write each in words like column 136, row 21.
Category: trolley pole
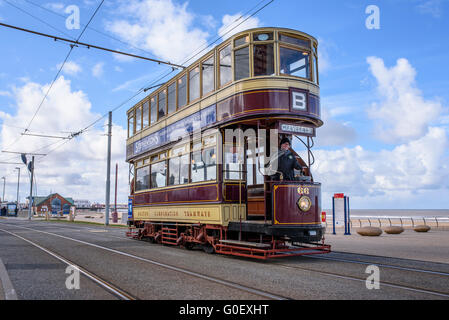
column 108, row 174
column 30, row 207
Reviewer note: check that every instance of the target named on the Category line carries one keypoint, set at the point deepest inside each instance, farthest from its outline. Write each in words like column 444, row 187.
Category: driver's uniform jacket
column 286, row 164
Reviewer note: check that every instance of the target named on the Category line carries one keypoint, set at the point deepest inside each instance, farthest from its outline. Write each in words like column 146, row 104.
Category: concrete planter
column 369, row 231
column 421, row 228
column 394, row 230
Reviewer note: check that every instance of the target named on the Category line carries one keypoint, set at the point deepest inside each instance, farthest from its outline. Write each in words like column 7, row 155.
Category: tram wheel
column 189, row 245
column 208, row 249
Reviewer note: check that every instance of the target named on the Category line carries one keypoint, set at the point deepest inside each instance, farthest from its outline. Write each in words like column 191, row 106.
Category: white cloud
column 70, row 68
column 334, row 132
column 403, row 114
column 412, row 167
column 55, row 6
column 160, row 26
column 97, row 70
column 230, row 21
column 5, row 94
column 78, row 168
column 432, row 7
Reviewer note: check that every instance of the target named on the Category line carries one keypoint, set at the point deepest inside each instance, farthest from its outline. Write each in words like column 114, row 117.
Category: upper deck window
column 263, row 59
column 241, row 62
column 146, row 114
column 153, row 110
column 131, row 125
column 171, row 98
column 208, row 75
column 294, row 62
column 182, row 91
column 225, row 65
column 194, row 84
column 264, row 36
column 162, row 103
column 295, row 41
column 139, row 118
column 241, row 41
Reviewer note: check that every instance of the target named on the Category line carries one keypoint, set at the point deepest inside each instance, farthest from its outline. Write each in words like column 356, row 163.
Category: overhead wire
column 56, row 77
column 76, row 134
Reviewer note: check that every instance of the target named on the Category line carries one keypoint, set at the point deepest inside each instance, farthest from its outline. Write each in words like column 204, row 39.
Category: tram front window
column 263, row 60
column 294, row 62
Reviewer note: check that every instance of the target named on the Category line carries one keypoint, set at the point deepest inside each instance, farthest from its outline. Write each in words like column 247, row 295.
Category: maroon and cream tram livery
column 204, row 150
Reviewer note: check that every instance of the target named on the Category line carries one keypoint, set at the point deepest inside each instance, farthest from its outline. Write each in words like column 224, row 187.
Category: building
column 82, row 204
column 54, row 204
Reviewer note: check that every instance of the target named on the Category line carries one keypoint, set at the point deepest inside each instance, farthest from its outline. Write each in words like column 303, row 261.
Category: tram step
column 246, row 243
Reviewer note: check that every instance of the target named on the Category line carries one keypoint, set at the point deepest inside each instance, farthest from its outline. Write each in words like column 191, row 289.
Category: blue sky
column 367, row 79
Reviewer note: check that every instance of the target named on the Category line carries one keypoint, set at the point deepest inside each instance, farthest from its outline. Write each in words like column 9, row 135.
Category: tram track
column 247, row 289
column 119, row 293
column 268, row 295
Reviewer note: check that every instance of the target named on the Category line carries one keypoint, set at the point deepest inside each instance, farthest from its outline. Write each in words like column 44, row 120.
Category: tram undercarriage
column 248, row 239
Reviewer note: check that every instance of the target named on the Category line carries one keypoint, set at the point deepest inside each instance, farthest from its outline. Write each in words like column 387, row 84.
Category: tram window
column 143, row 178
column 178, row 168
column 264, row 36
column 138, row 118
column 171, row 98
column 182, row 91
column 241, row 41
column 294, row 62
column 295, row 41
column 263, row 60
column 153, row 110
column 208, row 68
column 232, row 162
column 131, row 126
column 194, row 84
column 210, row 159
column 249, row 171
column 158, row 174
column 204, row 164
column 197, row 167
column 162, row 106
column 225, row 65
column 146, row 114
column 241, row 61
column 315, row 68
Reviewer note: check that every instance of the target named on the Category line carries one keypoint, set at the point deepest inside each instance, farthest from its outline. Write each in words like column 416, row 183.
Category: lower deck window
column 142, row 178
column 178, row 168
column 204, row 165
column 158, row 175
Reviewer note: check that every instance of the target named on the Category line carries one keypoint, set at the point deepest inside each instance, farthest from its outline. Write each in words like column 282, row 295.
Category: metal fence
column 441, row 223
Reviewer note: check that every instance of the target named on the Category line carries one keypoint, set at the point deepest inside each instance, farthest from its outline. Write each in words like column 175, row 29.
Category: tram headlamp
column 304, row 203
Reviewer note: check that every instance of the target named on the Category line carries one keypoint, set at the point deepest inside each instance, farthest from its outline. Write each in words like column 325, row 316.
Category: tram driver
column 287, row 162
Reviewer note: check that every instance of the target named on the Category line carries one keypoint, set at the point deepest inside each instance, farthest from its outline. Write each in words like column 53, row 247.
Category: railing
column 407, row 222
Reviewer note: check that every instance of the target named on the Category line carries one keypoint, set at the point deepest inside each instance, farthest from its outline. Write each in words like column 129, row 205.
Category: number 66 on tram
column 203, row 150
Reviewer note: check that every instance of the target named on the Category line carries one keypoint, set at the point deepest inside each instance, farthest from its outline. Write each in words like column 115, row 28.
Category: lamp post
column 18, row 183
column 4, row 182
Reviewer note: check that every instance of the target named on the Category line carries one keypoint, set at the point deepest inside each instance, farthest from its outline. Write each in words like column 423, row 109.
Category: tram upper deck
column 254, row 74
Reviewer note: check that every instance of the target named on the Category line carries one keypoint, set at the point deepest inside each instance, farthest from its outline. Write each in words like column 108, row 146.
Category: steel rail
column 230, row 284
column 108, row 286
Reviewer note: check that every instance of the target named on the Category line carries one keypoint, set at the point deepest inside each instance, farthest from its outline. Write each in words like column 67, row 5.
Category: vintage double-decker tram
column 193, row 186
